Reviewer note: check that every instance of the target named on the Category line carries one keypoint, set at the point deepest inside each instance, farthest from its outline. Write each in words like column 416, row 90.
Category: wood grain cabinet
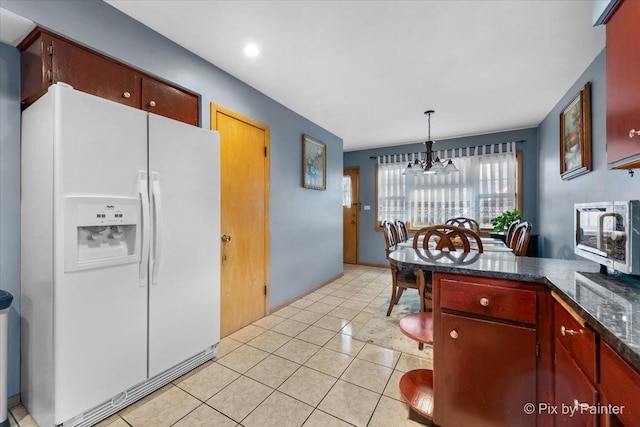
column 47, row 58
column 575, row 374
column 623, row 86
column 620, row 390
column 489, row 356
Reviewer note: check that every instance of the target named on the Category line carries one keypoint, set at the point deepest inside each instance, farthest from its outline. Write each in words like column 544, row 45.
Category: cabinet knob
column 126, row 95
column 484, row 302
column 634, row 132
column 564, row 331
column 152, row 103
column 584, row 406
column 453, row 334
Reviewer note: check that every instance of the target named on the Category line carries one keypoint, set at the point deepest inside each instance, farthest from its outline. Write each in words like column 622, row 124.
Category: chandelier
column 429, row 165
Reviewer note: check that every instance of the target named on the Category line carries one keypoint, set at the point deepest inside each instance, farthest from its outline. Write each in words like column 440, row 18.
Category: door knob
column 126, row 95
column 353, row 222
column 226, row 238
column 152, row 104
column 484, row 302
column 453, row 334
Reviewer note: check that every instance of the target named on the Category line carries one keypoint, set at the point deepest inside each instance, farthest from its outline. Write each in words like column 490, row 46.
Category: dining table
column 490, row 244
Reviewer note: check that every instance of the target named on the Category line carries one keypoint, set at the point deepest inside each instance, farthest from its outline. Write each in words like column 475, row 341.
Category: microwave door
column 589, row 230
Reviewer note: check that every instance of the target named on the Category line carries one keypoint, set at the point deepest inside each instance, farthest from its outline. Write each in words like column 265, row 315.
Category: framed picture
column 314, row 163
column 575, row 135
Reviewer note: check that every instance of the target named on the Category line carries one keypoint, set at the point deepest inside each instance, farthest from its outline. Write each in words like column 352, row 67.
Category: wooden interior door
column 351, row 217
column 244, row 218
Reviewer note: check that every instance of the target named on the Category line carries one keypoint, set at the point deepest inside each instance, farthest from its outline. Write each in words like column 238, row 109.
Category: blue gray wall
column 10, row 202
column 557, row 197
column 371, row 244
column 305, row 225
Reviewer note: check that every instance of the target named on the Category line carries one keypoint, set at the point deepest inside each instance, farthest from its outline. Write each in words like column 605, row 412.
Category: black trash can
column 5, row 302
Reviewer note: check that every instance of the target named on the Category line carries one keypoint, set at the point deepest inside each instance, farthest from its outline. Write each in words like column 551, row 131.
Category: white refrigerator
column 120, row 254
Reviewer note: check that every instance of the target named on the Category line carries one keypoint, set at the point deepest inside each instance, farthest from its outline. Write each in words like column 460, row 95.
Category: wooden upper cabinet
column 47, row 58
column 91, row 73
column 623, row 86
column 168, row 101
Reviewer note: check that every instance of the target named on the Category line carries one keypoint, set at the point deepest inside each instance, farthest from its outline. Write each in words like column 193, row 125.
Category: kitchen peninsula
column 518, row 339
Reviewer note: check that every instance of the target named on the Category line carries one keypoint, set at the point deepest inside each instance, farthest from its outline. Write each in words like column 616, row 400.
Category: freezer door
column 100, row 313
column 184, row 289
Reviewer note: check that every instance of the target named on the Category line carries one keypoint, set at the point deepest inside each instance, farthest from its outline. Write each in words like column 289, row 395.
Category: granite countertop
column 610, row 304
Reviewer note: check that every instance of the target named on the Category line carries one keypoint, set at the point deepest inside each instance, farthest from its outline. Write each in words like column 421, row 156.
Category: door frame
column 356, row 169
column 215, row 109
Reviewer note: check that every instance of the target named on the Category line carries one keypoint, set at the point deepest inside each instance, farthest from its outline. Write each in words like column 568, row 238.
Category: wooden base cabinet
column 620, row 390
column 492, row 352
column 594, row 386
column 488, row 373
column 574, row 393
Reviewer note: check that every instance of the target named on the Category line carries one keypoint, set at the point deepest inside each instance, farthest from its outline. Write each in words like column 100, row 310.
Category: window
column 485, row 186
column 346, row 190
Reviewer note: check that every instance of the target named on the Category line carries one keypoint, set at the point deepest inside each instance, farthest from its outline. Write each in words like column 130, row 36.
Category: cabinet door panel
column 91, row 73
column 485, row 375
column 620, row 383
column 623, row 85
column 168, row 101
column 572, row 390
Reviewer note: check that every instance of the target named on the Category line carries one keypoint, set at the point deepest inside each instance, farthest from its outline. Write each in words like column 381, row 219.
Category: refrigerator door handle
column 157, row 229
column 144, row 256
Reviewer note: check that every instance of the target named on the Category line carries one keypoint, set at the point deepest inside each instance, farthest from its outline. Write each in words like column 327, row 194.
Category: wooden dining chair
column 461, row 221
column 401, row 279
column 391, row 237
column 447, row 237
column 512, row 228
column 403, row 234
column 521, row 236
column 443, row 236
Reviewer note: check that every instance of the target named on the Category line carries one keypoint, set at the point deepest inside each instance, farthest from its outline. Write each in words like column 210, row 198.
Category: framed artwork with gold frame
column 575, row 135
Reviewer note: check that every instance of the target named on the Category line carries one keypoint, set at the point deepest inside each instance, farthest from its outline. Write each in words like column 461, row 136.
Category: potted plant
column 502, row 222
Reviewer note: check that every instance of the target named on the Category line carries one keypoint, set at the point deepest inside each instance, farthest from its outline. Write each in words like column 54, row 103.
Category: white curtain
column 484, row 187
column 391, row 187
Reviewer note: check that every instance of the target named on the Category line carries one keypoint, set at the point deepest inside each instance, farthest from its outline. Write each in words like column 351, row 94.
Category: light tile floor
column 298, row 366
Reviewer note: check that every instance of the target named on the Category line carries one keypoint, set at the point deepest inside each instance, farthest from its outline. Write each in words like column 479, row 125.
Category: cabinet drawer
column 578, row 340
column 575, row 395
column 518, row 305
column 620, row 385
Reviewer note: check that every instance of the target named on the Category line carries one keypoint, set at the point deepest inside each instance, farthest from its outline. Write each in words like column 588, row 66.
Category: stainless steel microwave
column 609, row 234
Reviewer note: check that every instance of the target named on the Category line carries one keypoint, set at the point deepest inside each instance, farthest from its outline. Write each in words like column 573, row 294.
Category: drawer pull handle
column 126, row 95
column 634, row 132
column 583, row 406
column 152, row 103
column 453, row 334
column 484, row 302
column 564, row 331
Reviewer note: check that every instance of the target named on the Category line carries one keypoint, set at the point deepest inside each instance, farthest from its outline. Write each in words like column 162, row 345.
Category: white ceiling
column 367, row 70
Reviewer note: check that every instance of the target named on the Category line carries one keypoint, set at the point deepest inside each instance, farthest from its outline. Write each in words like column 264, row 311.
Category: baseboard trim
column 13, row 401
column 366, row 264
column 278, row 307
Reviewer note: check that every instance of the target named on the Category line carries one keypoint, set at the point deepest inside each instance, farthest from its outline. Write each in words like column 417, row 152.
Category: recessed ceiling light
column 251, row 50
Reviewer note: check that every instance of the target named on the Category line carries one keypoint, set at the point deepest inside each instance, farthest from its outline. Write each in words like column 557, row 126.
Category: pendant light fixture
column 429, row 165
